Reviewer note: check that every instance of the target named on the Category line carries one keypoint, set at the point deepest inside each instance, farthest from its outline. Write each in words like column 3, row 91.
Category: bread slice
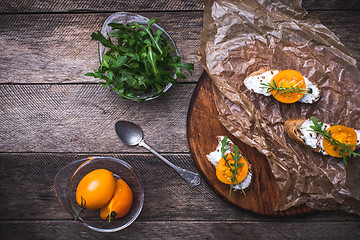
column 292, row 128
column 261, row 71
column 217, row 154
column 254, row 80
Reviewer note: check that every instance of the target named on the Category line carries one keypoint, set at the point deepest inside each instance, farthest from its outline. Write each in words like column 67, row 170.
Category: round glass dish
column 68, row 178
column 128, row 18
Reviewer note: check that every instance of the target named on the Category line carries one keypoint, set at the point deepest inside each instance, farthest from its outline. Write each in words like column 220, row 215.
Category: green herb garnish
column 343, row 148
column 138, row 61
column 283, row 90
column 232, row 166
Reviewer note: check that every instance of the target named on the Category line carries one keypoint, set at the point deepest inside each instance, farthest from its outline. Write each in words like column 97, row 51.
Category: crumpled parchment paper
column 241, row 36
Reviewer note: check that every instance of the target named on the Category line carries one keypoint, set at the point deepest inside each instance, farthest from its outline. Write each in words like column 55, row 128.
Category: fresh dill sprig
column 343, row 148
column 232, row 166
column 283, row 90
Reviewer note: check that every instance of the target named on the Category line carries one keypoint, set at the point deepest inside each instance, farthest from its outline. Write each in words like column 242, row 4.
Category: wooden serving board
column 203, row 127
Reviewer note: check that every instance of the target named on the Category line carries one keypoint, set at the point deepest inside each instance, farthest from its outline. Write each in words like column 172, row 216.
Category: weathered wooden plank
column 8, row 6
column 186, row 230
column 346, row 26
column 330, row 5
column 47, row 48
column 27, row 192
column 166, row 194
column 81, row 118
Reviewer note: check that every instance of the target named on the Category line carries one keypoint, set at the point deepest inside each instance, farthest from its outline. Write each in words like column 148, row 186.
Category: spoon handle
column 191, row 178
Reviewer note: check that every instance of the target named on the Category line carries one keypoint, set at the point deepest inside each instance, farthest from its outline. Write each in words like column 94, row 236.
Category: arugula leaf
column 233, row 167
column 106, row 42
column 137, row 61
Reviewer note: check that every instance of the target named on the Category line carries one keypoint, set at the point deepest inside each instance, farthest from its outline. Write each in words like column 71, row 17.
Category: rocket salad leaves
column 138, row 61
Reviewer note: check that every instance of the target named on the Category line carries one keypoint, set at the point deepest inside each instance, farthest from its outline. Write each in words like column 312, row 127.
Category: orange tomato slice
column 120, row 203
column 344, row 135
column 288, row 78
column 224, row 174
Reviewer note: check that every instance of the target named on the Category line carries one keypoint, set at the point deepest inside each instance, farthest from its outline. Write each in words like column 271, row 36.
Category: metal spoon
column 131, row 134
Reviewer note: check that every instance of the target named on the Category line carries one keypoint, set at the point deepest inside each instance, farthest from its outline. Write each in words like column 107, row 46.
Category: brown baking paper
column 238, row 38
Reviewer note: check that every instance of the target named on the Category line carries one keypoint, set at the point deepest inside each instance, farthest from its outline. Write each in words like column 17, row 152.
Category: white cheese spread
column 254, row 84
column 215, row 156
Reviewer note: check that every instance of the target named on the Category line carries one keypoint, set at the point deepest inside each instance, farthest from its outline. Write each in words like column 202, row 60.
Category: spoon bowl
column 132, row 134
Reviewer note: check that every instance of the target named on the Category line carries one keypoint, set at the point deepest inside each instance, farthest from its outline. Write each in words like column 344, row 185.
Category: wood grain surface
column 188, row 230
column 57, row 48
column 29, row 208
column 93, row 5
column 9, row 6
column 51, row 115
column 81, row 118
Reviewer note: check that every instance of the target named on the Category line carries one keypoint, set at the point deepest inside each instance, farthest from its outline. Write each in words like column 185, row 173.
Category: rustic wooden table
column 51, row 115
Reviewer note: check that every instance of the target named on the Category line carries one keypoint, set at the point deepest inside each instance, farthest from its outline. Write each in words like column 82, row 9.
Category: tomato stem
column 110, row 214
column 82, row 208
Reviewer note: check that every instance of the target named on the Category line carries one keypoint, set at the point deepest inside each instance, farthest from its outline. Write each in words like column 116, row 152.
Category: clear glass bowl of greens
column 138, row 58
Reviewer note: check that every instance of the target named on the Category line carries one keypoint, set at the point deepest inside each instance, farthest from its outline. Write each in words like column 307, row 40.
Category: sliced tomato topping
column 342, row 134
column 288, row 79
column 224, row 167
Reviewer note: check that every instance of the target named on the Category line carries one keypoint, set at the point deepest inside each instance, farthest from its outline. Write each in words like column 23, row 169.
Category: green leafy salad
column 137, row 61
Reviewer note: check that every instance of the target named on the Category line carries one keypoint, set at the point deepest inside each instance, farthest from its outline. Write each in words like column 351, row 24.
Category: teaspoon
column 131, row 134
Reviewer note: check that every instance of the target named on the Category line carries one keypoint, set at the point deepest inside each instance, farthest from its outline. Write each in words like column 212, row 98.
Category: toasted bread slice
column 217, row 154
column 292, row 128
column 262, row 70
column 264, row 75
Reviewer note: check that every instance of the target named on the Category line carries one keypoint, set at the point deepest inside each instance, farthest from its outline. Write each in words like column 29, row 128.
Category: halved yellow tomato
column 224, row 167
column 95, row 189
column 120, row 203
column 342, row 134
column 287, row 79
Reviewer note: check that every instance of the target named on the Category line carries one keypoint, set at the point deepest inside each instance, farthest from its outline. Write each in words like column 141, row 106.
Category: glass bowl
column 128, row 18
column 68, row 178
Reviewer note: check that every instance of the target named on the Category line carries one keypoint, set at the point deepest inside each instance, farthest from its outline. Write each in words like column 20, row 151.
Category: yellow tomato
column 224, row 174
column 120, row 203
column 342, row 134
column 287, row 79
column 95, row 189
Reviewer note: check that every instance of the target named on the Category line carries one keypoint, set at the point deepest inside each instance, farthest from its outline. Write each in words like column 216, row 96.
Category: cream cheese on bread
column 315, row 140
column 253, row 83
column 215, row 156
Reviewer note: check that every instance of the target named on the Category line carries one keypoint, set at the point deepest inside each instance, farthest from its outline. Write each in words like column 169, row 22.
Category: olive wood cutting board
column 203, row 127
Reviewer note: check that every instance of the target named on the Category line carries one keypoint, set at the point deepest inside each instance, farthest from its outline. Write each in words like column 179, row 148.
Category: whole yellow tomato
column 120, row 203
column 95, row 189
